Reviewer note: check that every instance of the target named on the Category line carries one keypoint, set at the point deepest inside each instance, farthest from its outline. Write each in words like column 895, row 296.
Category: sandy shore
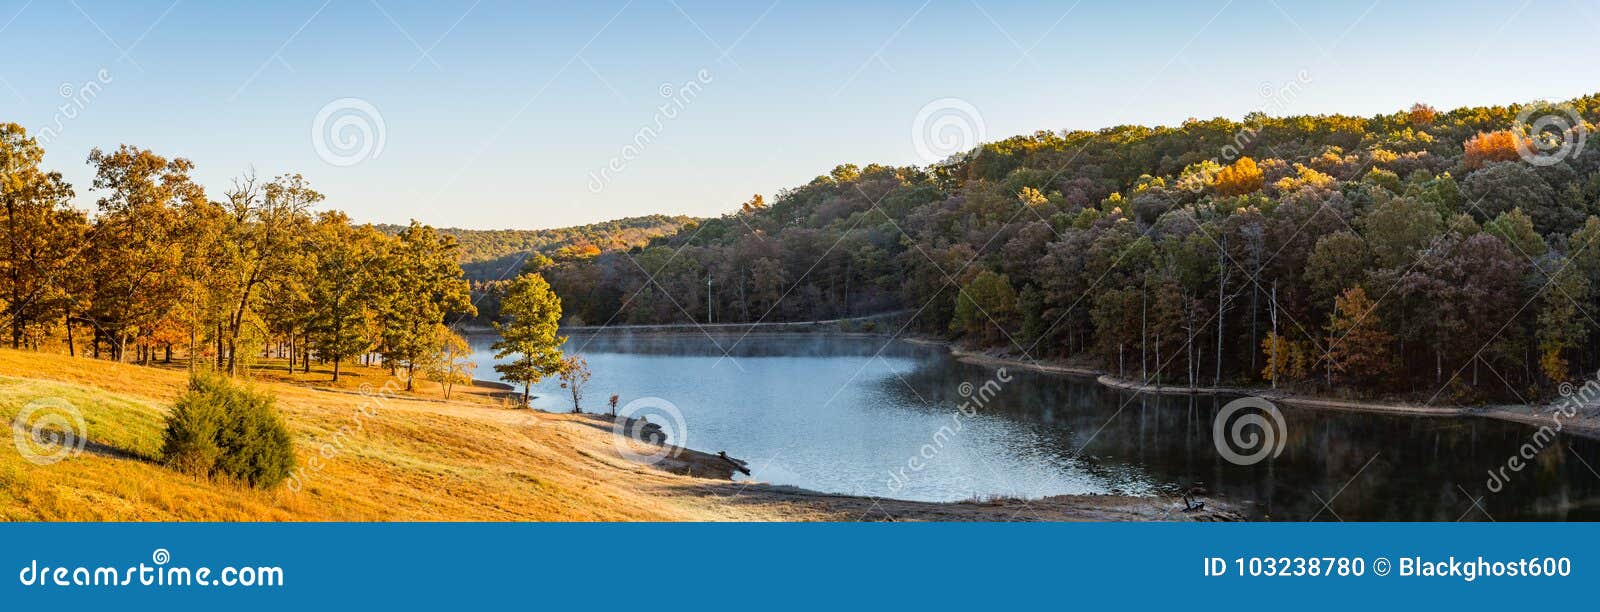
column 1585, row 424
column 1059, row 508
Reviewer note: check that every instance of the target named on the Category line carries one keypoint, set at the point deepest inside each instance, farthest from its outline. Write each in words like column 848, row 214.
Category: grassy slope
column 415, row 458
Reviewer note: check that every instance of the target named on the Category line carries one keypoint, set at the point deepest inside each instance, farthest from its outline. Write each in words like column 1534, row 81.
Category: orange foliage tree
column 1421, row 114
column 1492, row 147
column 1240, row 178
column 1358, row 347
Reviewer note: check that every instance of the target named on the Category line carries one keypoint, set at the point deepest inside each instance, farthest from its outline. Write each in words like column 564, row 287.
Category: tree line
column 160, row 266
column 493, row 255
column 1408, row 252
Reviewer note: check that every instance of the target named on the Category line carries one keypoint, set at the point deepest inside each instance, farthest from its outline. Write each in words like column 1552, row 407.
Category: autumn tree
column 1421, row 114
column 1486, row 147
column 1358, row 348
column 348, row 268
column 1239, row 178
column 985, row 306
column 528, row 339
column 43, row 236
column 450, row 361
column 575, row 378
column 259, row 244
column 137, row 250
column 754, row 204
column 424, row 287
column 1287, row 361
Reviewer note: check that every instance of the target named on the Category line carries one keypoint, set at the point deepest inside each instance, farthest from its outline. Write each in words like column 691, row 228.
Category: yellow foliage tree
column 1031, row 197
column 1240, row 178
column 1286, row 361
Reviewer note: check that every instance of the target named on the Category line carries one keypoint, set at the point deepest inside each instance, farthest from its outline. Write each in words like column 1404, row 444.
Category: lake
column 866, row 415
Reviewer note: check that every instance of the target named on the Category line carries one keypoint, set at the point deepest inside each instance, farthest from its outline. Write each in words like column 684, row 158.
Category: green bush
column 220, row 428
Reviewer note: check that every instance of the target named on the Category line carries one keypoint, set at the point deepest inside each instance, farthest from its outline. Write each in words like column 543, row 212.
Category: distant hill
column 486, row 255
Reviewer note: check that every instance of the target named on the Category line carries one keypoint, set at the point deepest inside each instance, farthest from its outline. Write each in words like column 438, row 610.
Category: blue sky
column 496, row 114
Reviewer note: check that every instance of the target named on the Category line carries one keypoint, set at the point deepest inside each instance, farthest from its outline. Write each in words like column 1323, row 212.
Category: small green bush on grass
column 218, row 427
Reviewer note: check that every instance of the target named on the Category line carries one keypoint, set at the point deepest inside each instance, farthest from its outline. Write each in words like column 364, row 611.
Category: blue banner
column 765, row 566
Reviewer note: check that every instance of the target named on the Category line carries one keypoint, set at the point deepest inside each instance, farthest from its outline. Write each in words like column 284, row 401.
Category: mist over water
column 866, row 415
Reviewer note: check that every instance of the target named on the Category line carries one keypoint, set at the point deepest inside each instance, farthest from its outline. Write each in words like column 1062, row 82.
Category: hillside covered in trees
column 1438, row 254
column 487, row 255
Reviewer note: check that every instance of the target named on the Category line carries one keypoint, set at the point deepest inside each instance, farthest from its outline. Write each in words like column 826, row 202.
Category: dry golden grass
column 362, row 456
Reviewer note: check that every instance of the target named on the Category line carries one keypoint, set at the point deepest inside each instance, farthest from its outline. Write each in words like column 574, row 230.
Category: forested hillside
column 1441, row 254
column 486, row 255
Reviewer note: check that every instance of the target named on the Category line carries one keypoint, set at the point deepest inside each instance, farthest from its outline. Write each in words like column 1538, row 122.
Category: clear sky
column 499, row 114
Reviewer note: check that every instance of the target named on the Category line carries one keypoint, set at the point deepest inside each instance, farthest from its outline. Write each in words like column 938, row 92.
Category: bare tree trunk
column 1158, row 360
column 1273, row 312
column 1222, row 310
column 1144, row 366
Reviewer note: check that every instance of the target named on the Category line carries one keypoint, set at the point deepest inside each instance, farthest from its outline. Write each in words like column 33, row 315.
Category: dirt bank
column 1058, row 508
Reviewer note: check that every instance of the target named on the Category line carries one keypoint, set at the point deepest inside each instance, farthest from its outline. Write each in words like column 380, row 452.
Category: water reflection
column 868, row 416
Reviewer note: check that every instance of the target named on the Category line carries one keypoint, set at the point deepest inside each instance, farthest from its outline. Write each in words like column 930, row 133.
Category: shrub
column 189, row 443
column 220, row 428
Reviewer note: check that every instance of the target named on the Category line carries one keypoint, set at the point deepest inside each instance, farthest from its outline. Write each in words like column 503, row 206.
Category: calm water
column 868, row 416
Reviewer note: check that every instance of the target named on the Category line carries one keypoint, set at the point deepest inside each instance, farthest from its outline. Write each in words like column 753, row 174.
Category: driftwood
column 738, row 464
column 652, row 433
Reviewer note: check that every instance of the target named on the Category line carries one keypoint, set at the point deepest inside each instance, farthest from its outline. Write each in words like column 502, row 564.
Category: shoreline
column 1581, row 425
column 721, row 468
